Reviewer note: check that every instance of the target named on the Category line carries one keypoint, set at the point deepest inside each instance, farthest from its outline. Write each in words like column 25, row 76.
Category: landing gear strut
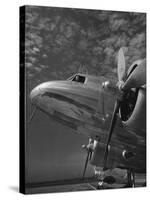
column 100, row 185
column 131, row 178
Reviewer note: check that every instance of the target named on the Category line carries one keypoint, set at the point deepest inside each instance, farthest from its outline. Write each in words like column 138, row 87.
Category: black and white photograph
column 82, row 99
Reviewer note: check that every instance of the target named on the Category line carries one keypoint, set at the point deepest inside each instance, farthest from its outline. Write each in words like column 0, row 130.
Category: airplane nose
column 37, row 92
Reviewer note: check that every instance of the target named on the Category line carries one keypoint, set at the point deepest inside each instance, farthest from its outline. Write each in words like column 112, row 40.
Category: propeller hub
column 113, row 88
column 120, row 85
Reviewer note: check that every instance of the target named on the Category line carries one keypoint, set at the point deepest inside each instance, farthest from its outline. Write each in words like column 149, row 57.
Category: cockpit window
column 78, row 78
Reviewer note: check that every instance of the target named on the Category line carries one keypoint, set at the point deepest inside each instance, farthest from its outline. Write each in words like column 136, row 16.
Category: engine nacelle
column 133, row 110
column 114, row 156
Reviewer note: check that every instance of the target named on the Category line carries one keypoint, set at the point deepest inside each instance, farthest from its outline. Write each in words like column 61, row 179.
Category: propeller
column 86, row 162
column 112, row 125
column 121, row 68
column 135, row 79
column 89, row 149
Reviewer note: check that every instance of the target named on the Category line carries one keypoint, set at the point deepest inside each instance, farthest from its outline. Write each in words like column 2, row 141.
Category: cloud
column 57, row 43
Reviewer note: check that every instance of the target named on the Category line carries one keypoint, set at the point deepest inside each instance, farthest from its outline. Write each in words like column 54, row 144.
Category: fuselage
column 74, row 102
column 82, row 104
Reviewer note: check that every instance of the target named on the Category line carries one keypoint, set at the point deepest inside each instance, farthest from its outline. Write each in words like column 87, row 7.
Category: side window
column 78, row 78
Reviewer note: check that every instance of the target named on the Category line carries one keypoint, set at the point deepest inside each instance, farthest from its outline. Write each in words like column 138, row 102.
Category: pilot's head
column 77, row 78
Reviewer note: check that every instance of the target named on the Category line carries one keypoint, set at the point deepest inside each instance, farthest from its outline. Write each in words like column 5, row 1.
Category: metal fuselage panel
column 87, row 108
column 75, row 102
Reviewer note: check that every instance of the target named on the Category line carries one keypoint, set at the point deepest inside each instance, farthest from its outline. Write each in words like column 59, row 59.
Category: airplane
column 112, row 114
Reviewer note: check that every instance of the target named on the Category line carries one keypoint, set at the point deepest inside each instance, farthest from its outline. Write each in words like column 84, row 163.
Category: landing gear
column 108, row 180
column 100, row 185
column 131, row 178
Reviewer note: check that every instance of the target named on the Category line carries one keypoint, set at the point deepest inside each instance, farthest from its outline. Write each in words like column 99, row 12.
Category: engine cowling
column 133, row 108
column 115, row 155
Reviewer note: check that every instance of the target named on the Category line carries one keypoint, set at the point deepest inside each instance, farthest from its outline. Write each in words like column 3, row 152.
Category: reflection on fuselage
column 77, row 104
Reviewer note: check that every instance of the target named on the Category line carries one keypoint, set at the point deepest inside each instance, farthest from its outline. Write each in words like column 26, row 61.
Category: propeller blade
column 90, row 156
column 121, row 65
column 32, row 115
column 112, row 125
column 86, row 162
column 137, row 77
